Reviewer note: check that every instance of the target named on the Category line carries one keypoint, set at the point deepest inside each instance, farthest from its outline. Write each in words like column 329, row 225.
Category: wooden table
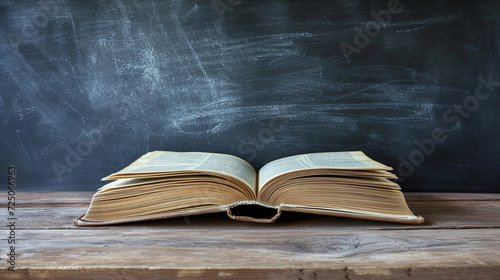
column 460, row 240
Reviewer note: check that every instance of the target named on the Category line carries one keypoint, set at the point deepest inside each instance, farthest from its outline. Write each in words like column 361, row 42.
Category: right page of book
column 347, row 184
column 339, row 160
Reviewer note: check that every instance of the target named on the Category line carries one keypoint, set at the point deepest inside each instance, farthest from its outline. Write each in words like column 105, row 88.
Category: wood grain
column 460, row 240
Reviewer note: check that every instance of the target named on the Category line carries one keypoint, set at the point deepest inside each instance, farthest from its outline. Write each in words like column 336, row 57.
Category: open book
column 170, row 184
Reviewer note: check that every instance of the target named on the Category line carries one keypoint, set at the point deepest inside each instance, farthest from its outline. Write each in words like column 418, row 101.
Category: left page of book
column 161, row 163
column 169, row 184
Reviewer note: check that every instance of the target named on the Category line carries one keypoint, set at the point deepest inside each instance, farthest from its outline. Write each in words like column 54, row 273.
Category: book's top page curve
column 354, row 160
column 164, row 161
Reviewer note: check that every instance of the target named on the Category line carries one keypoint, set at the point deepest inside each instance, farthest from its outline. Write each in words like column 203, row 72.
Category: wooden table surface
column 460, row 240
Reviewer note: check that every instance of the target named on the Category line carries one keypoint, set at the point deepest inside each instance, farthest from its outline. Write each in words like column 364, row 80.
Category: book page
column 339, row 160
column 161, row 162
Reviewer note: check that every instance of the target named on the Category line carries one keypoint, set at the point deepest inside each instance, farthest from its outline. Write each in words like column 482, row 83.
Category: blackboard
column 89, row 86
